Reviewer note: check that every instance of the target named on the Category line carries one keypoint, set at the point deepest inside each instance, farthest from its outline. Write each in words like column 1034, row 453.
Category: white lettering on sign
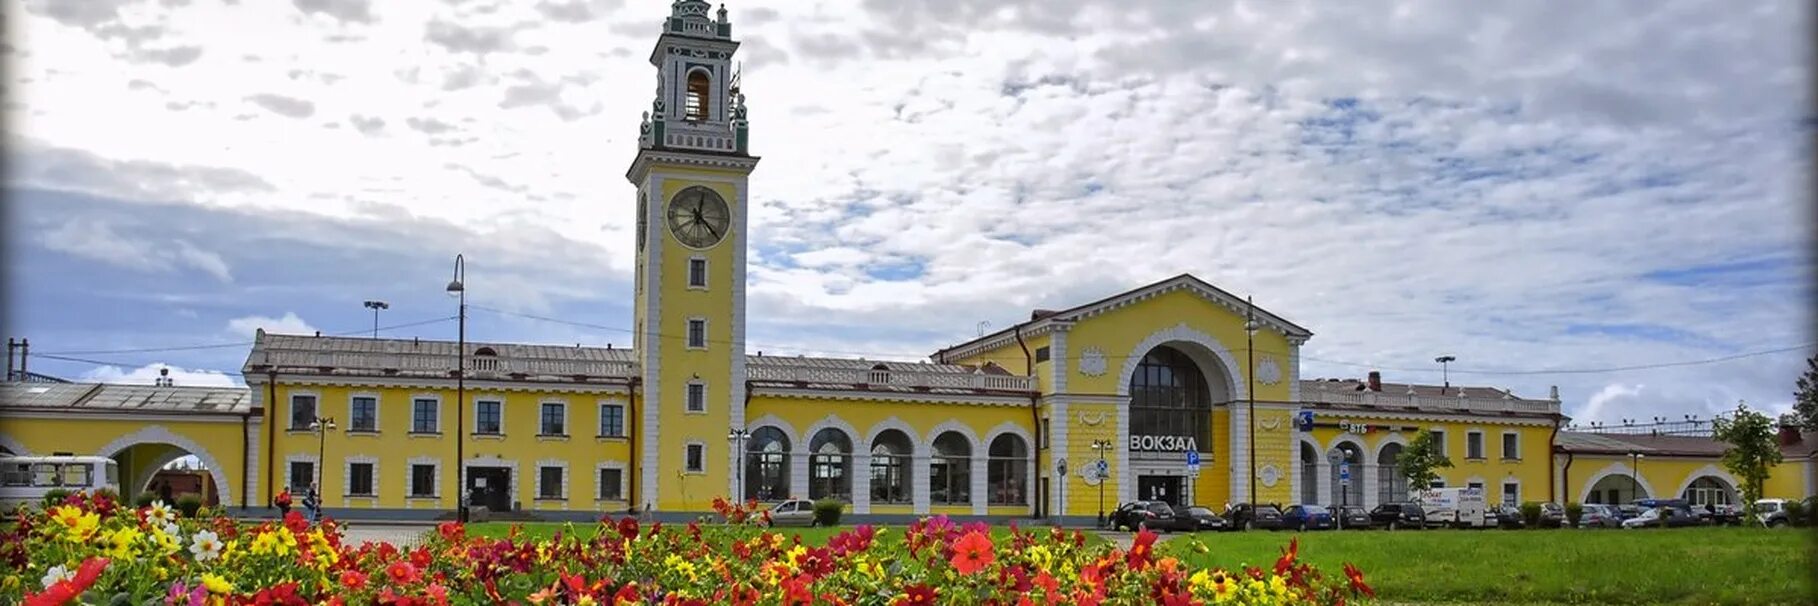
column 1350, row 427
column 1164, row 443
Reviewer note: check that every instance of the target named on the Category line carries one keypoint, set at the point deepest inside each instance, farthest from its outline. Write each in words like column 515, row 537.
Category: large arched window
column 1169, row 399
column 1348, row 492
column 950, row 472
column 1309, row 473
column 830, row 465
column 1007, row 471
column 891, row 453
column 1707, row 491
column 1391, row 484
column 699, row 88
column 767, row 465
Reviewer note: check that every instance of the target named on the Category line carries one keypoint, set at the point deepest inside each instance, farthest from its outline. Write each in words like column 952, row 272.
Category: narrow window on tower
column 697, row 273
column 698, row 87
column 697, row 397
column 697, row 333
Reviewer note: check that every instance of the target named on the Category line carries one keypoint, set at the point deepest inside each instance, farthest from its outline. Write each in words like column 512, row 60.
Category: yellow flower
column 1278, row 586
column 677, row 564
column 78, row 526
column 586, row 600
column 794, row 556
column 216, row 584
column 119, row 543
column 1040, row 557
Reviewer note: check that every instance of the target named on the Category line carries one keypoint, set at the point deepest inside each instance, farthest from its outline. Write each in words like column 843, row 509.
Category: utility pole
column 1250, row 375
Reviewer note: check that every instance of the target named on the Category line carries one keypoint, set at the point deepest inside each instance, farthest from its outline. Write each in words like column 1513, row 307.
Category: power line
column 226, row 345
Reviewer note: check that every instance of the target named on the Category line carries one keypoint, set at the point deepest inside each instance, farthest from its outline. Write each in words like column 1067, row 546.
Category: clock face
column 698, row 217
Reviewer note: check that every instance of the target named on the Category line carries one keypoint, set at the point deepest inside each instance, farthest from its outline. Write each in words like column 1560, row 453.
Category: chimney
column 1039, row 314
column 1555, row 393
column 1375, row 381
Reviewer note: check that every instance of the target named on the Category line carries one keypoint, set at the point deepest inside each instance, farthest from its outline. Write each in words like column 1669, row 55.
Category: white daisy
column 58, row 574
column 161, row 513
column 206, row 545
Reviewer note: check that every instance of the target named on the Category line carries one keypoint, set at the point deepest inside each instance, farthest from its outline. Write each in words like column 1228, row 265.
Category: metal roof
column 104, row 397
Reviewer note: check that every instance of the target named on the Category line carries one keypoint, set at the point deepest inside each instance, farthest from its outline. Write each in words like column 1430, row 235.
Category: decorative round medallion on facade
column 1268, row 475
column 1092, row 362
column 1268, row 371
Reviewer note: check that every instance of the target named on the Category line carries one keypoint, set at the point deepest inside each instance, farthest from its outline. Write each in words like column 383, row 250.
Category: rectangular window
column 1511, row 446
column 1475, row 486
column 359, row 479
column 549, row 484
column 555, row 422
column 301, row 474
column 697, row 457
column 1041, row 354
column 488, row 417
column 610, row 479
column 697, row 397
column 612, row 421
column 1474, row 445
column 1437, row 483
column 697, row 333
column 423, row 415
column 1439, row 441
column 697, row 273
column 422, row 480
column 365, row 414
column 302, row 411
column 1511, row 493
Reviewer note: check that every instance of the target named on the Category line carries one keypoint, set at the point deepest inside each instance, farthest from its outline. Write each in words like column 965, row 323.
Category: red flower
column 915, row 595
column 64, row 591
column 403, row 573
column 421, row 558
column 1142, row 551
column 451, row 531
column 972, row 553
column 1357, row 581
column 1287, row 556
column 295, row 522
column 353, row 580
column 628, row 527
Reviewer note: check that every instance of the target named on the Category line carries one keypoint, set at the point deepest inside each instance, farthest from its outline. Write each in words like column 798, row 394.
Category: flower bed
column 96, row 551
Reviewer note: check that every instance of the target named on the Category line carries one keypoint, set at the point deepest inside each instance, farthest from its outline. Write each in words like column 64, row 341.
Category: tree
column 1753, row 450
column 1420, row 460
column 1805, row 400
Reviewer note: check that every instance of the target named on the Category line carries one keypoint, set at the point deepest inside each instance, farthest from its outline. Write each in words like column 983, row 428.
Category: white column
column 1058, row 422
column 1240, row 453
column 798, row 471
column 1323, row 475
column 861, row 482
column 977, row 479
column 922, row 468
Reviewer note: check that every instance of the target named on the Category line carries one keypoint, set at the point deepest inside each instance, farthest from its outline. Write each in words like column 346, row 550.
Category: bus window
column 76, row 474
column 45, row 474
column 113, row 474
column 16, row 474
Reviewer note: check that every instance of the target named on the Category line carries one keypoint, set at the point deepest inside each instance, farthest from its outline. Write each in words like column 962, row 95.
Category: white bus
column 25, row 479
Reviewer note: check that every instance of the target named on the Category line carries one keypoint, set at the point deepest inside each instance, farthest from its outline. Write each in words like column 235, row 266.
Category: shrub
column 189, row 503
column 827, row 512
column 145, row 499
column 1573, row 512
column 54, row 496
column 1530, row 515
column 1795, row 513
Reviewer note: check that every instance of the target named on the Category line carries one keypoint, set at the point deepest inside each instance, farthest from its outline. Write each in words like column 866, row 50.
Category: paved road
column 400, row 535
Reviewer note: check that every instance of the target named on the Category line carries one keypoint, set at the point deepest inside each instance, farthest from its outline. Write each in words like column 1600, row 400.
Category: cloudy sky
column 1535, row 190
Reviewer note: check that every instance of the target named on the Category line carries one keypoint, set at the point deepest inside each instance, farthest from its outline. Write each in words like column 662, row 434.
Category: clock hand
column 710, row 229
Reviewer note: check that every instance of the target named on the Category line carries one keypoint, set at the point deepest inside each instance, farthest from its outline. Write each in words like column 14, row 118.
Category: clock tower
column 692, row 203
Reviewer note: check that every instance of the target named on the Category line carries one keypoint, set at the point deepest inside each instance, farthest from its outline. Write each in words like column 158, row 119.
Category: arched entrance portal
column 1172, row 389
column 150, row 459
column 1709, row 490
column 1616, row 489
column 1391, row 485
column 1309, row 473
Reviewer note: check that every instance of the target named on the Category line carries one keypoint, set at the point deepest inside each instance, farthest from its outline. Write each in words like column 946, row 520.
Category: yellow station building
column 1185, row 392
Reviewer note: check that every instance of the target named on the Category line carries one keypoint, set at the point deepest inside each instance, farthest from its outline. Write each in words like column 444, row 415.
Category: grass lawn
column 1678, row 566
column 813, row 537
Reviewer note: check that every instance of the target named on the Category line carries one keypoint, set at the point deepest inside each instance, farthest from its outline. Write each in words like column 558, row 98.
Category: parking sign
column 1344, row 472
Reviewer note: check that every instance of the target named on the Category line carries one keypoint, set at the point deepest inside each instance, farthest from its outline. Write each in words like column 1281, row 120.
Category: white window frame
column 1506, row 456
column 624, row 482
column 290, row 408
column 601, row 421
column 1483, row 451
column 688, row 397
column 315, row 467
column 1505, row 491
column 688, row 333
column 562, row 482
column 410, row 475
column 376, row 401
column 414, row 398
column 347, row 477
column 565, row 425
column 476, row 414
column 705, row 277
column 691, row 444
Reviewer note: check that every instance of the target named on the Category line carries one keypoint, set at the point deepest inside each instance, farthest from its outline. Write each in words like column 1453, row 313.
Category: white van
column 26, row 479
column 1455, row 507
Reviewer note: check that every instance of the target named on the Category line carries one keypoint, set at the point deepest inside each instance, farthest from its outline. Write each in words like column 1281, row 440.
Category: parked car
column 1652, row 518
column 1157, row 516
column 1552, row 515
column 792, row 512
column 1771, row 512
column 1250, row 516
column 1395, row 516
column 1628, row 511
column 1351, row 517
column 1307, row 517
column 1202, row 518
column 1598, row 515
column 1505, row 516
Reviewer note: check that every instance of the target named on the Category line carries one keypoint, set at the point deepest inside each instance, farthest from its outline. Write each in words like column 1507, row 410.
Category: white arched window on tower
column 695, row 107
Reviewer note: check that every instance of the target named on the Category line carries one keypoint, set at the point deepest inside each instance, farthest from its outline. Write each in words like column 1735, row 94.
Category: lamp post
column 1250, row 391
column 1101, row 446
column 376, row 306
column 1635, row 475
column 457, row 288
column 737, row 438
column 321, row 425
column 1344, row 485
column 1445, row 373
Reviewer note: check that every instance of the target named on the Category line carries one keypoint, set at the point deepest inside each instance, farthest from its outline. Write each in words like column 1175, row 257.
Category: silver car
column 793, row 512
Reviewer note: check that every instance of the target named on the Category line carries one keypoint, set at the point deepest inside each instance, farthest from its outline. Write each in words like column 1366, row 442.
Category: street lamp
column 1101, row 446
column 1344, row 484
column 1250, row 374
column 737, row 437
column 458, row 289
column 376, row 306
column 321, row 425
column 1635, row 475
column 1445, row 370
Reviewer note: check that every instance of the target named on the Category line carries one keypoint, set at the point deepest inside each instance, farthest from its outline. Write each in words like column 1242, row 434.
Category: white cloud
column 1594, row 407
column 1497, row 190
column 98, row 240
column 289, row 324
column 148, row 375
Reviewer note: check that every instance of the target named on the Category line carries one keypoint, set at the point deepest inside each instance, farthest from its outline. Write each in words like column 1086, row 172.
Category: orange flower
column 1142, row 550
column 1287, row 556
column 1357, row 581
column 915, row 595
column 353, row 580
column 972, row 553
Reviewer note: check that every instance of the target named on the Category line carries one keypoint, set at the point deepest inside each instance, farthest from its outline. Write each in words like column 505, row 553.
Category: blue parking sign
column 1304, row 419
column 1344, row 471
column 1193, row 457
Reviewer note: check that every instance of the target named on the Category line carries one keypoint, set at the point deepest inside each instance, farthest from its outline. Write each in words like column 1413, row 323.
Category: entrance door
column 1166, row 489
column 489, row 487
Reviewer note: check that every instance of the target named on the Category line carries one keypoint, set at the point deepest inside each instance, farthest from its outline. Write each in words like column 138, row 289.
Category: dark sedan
column 1351, row 517
column 1247, row 516
column 1156, row 516
column 1394, row 516
column 1505, row 516
column 1306, row 517
column 1202, row 518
